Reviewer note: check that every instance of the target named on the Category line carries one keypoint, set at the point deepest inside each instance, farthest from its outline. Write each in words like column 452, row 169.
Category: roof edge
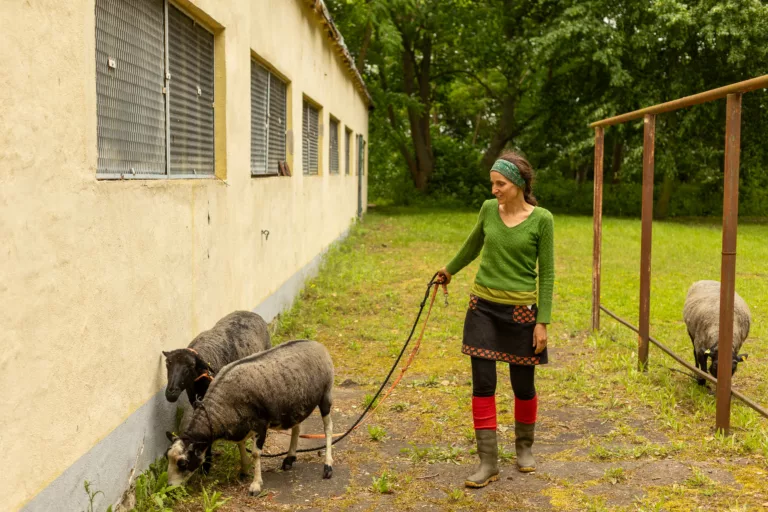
column 319, row 7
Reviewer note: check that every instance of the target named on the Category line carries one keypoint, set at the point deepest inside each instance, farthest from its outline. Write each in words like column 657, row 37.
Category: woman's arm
column 471, row 248
column 546, row 256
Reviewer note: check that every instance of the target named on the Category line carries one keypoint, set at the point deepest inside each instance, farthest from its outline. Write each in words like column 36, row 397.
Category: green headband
column 509, row 171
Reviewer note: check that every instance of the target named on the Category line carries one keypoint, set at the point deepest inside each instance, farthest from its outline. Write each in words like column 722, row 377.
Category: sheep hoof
column 288, row 462
column 254, row 490
column 327, row 471
column 205, row 468
column 243, row 475
column 701, row 381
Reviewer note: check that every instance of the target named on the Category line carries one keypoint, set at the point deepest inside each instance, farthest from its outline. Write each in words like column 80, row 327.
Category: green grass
column 384, row 484
column 376, row 432
column 363, row 302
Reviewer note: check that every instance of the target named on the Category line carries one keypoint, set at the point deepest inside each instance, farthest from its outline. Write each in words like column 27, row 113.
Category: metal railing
column 733, row 93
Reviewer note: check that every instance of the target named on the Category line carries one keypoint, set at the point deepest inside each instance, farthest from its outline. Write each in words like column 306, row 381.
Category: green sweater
column 510, row 254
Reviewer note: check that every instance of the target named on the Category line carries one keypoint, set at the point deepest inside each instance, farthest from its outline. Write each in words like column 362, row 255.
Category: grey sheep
column 276, row 389
column 191, row 369
column 701, row 314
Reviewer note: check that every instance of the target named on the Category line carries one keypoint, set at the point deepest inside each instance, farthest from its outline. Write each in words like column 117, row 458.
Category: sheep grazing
column 276, row 389
column 701, row 314
column 234, row 337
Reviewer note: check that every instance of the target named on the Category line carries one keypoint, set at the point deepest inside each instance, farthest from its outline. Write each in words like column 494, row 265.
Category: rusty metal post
column 649, row 149
column 597, row 215
column 728, row 266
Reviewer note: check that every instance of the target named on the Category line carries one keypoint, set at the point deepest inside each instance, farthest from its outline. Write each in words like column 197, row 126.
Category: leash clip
column 445, row 294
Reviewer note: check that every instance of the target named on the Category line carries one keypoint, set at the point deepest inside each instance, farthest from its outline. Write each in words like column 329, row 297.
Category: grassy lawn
column 609, row 438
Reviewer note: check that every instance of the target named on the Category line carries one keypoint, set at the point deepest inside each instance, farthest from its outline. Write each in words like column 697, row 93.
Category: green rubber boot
column 523, row 442
column 488, row 450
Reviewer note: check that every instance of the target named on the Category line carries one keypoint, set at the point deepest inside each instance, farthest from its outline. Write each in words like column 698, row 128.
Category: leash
column 365, row 414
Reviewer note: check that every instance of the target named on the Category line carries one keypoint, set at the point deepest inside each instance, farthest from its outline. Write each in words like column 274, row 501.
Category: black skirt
column 501, row 332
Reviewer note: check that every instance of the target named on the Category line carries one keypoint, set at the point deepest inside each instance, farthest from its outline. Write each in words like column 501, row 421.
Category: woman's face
column 502, row 188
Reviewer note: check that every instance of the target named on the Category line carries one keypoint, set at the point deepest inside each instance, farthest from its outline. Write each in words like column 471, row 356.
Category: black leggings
column 484, row 379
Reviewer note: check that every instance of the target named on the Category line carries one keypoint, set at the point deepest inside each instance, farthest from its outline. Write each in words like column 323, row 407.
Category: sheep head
column 184, row 457
column 181, row 366
column 713, row 354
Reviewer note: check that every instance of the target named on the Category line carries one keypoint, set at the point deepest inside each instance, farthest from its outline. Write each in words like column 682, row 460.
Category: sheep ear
column 708, row 352
column 742, row 357
column 166, row 354
column 171, row 436
column 200, row 449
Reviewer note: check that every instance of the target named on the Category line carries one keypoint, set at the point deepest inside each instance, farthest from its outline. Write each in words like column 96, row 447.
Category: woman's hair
column 526, row 171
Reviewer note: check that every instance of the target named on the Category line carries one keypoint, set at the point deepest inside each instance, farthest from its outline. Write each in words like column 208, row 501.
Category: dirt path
column 568, row 474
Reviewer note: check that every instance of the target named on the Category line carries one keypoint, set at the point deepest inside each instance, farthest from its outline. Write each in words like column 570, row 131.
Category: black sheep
column 276, row 389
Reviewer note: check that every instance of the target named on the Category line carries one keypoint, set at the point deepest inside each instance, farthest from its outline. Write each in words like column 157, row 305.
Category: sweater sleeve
column 546, row 256
column 471, row 248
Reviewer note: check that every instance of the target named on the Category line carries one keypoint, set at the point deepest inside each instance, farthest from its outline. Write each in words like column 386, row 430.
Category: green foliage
column 213, row 501
column 376, row 432
column 92, row 496
column 624, row 199
column 433, row 454
column 456, row 495
column 399, row 407
column 533, row 74
column 385, row 483
column 153, row 494
column 368, row 400
column 698, row 479
column 615, row 475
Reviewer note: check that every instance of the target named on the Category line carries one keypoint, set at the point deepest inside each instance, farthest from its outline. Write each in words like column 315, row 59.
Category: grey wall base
column 113, row 464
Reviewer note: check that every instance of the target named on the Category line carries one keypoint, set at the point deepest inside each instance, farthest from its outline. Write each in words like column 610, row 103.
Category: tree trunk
column 477, row 128
column 410, row 160
column 364, row 47
column 661, row 209
column 416, row 83
column 618, row 158
column 506, row 132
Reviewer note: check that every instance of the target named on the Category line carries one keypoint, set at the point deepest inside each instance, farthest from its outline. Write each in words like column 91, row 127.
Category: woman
column 507, row 319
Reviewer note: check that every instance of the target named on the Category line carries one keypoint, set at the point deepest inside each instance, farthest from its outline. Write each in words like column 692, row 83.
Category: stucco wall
column 97, row 277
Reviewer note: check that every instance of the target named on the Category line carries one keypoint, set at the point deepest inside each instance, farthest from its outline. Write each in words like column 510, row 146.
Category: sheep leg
column 291, row 457
column 206, row 469
column 245, row 463
column 701, row 361
column 325, row 412
column 261, row 435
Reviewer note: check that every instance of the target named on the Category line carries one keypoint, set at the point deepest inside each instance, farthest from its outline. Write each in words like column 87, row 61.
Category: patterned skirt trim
column 501, row 332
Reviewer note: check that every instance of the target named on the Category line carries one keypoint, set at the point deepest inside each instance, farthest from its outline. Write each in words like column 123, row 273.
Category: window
column 310, row 136
column 348, row 143
column 268, row 121
column 333, row 146
column 190, row 58
column 154, row 87
column 360, row 155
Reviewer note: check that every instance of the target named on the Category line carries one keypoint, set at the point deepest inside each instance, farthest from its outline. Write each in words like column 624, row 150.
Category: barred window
column 333, row 146
column 310, row 137
column 347, row 145
column 268, row 121
column 154, row 89
column 360, row 155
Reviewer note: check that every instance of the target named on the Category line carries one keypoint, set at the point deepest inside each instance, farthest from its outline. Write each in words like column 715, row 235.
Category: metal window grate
column 130, row 57
column 259, row 92
column 190, row 49
column 310, row 135
column 348, row 143
column 360, row 155
column 277, row 123
column 333, row 146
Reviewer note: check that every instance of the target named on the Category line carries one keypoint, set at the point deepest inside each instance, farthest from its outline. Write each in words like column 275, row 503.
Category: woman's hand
column 443, row 277
column 539, row 338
